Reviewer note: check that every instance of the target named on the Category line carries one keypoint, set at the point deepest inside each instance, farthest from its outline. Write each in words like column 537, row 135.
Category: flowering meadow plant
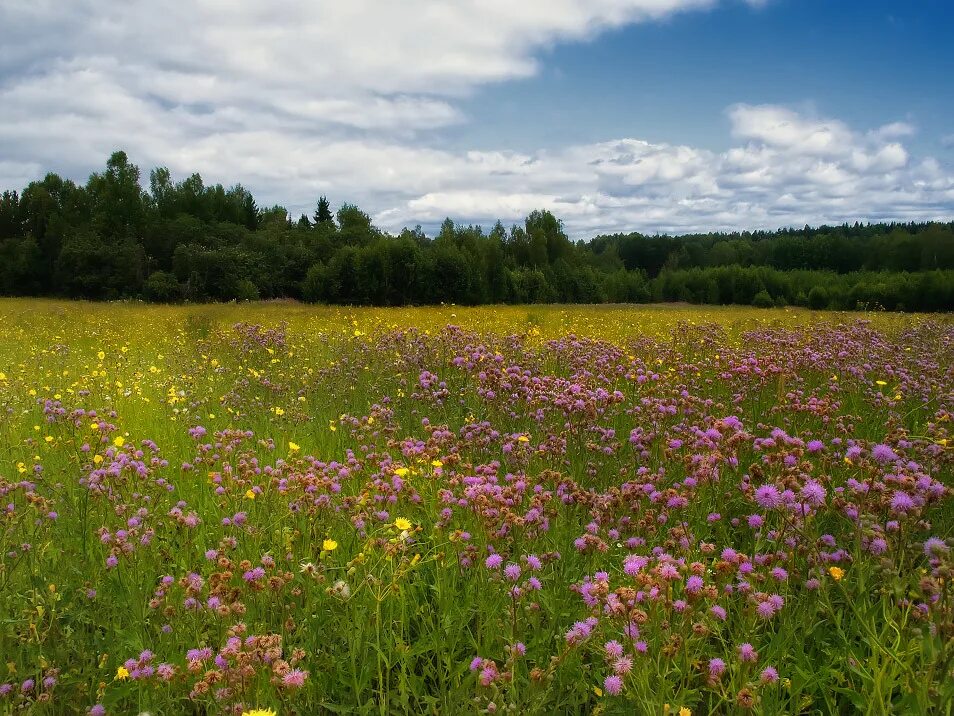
column 275, row 509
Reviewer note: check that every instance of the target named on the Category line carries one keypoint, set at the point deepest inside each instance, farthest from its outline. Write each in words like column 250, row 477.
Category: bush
column 162, row 287
column 818, row 298
column 763, row 300
column 245, row 290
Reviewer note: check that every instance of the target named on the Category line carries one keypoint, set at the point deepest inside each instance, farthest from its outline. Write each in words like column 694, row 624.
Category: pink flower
column 613, row 685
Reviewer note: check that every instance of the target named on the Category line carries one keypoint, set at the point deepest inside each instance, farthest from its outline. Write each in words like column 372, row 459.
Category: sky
column 658, row 116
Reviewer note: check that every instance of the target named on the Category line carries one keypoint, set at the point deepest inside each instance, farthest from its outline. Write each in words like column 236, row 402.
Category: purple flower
column 935, row 546
column 813, row 493
column 769, row 675
column 718, row 612
column 493, row 561
column 97, row 710
column 882, row 453
column 901, row 502
column 747, row 652
column 767, row 496
column 694, row 584
column 716, row 667
column 613, row 685
column 512, row 571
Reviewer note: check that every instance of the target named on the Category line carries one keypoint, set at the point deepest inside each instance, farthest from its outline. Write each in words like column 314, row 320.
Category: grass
column 213, row 509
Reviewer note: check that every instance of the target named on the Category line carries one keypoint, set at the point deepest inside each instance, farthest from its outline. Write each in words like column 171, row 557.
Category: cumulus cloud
column 344, row 98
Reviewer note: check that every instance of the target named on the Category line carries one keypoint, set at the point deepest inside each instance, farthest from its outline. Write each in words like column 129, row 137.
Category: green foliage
column 107, row 238
column 818, row 298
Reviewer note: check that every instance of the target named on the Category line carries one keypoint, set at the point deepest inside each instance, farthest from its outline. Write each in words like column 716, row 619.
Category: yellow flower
column 880, row 382
column 836, row 572
column 685, row 712
column 119, row 441
column 597, row 690
column 329, row 545
column 94, row 426
column 402, row 524
column 122, row 673
column 401, row 472
column 259, row 712
column 437, row 463
column 293, row 447
column 97, row 459
column 523, row 439
column 279, row 411
column 250, row 494
column 101, row 355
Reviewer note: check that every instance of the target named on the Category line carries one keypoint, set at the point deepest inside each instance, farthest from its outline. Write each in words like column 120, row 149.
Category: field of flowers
column 283, row 509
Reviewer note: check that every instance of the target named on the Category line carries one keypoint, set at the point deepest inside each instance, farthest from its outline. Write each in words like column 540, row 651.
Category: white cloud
column 343, row 97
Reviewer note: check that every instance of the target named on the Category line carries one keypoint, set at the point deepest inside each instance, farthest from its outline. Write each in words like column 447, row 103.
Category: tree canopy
column 112, row 238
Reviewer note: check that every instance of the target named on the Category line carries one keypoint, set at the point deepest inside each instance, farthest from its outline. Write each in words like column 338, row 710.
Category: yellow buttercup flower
column 250, row 494
column 119, row 441
column 402, row 524
column 259, row 712
column 836, row 572
column 401, row 472
column 437, row 463
column 523, row 439
column 685, row 712
column 293, row 447
column 329, row 545
column 122, row 673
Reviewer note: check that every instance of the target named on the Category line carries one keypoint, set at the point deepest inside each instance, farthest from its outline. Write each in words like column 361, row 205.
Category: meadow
column 272, row 508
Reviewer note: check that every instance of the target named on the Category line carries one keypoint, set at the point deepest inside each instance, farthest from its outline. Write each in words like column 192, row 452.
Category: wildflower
column 883, row 453
column 329, row 545
column 512, row 571
column 765, row 610
column 836, row 573
column 613, row 685
column 96, row 710
column 122, row 673
column 402, row 472
column 769, row 675
column 716, row 667
column 901, row 502
column 250, row 494
column 294, row 679
column 934, row 546
column 493, row 561
column 259, row 712
column 685, row 711
column 293, row 447
column 523, row 439
column 402, row 523
column 718, row 612
column 119, row 441
column 767, row 496
column 747, row 652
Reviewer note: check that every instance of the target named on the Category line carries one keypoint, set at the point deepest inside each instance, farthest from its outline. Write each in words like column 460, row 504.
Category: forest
column 177, row 241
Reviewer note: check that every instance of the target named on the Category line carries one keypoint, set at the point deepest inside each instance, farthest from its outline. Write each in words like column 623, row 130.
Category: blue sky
column 649, row 115
column 867, row 63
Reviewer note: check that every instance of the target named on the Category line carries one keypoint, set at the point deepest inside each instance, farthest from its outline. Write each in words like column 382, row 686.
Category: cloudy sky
column 648, row 115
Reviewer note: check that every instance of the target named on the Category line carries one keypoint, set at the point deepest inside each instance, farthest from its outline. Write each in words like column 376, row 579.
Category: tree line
column 112, row 238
